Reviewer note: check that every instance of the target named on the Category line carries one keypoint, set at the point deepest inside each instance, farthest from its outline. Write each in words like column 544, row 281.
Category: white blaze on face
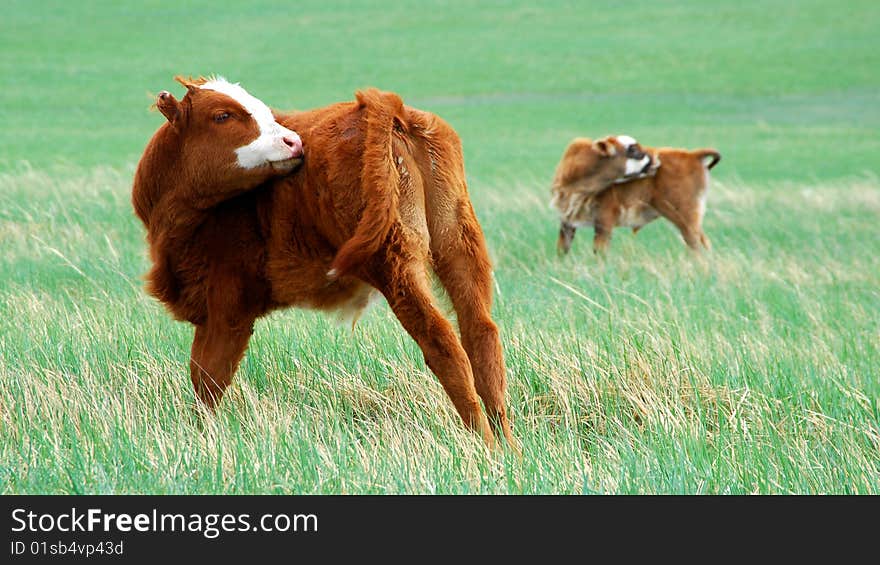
column 633, row 166
column 626, row 140
column 270, row 145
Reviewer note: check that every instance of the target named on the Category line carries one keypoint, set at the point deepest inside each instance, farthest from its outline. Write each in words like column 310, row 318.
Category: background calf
column 675, row 188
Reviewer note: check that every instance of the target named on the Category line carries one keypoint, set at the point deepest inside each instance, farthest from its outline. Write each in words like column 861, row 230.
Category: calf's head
column 228, row 138
column 616, row 158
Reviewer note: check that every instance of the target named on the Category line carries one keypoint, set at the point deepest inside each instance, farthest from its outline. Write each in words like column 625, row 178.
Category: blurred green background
column 786, row 90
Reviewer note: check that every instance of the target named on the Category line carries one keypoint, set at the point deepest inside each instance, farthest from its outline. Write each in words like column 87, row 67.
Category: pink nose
column 295, row 144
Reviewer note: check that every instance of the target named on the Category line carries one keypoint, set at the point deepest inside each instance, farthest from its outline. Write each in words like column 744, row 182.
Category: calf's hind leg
column 405, row 285
column 462, row 264
column 688, row 224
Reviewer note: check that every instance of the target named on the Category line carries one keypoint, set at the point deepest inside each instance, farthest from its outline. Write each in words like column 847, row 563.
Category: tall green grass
column 751, row 369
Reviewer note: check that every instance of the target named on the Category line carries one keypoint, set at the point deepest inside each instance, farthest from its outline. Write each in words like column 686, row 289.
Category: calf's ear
column 604, row 148
column 168, row 105
column 190, row 83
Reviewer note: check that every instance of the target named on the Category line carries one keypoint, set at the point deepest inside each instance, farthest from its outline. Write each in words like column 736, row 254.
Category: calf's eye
column 221, row 117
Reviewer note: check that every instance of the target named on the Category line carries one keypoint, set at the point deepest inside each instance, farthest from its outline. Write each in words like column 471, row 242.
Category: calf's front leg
column 217, row 350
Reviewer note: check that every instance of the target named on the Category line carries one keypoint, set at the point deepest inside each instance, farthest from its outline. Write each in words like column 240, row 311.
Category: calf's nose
column 294, row 143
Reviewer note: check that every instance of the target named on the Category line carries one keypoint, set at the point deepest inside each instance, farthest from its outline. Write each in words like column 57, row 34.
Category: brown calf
column 380, row 196
column 673, row 185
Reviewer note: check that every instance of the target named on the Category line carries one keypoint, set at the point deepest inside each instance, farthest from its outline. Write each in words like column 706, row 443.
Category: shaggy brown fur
column 676, row 190
column 381, row 195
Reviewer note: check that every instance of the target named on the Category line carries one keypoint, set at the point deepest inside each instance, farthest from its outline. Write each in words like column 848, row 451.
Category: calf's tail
column 379, row 181
column 703, row 153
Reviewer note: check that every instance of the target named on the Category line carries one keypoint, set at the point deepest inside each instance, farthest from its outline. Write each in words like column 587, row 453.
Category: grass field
column 751, row 370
